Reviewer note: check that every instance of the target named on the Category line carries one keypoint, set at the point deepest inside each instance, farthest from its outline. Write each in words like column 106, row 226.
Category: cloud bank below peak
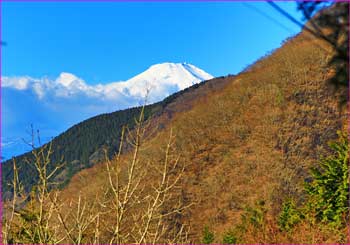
column 159, row 80
column 57, row 104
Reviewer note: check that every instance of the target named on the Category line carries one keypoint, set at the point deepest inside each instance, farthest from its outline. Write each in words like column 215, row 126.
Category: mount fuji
column 52, row 106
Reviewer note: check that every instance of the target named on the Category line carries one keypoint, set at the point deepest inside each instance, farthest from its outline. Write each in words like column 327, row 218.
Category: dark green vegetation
column 247, row 145
column 83, row 145
column 326, row 207
column 208, row 236
column 329, row 189
column 80, row 145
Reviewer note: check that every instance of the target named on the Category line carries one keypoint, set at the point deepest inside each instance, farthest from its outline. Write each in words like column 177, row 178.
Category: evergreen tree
column 329, row 189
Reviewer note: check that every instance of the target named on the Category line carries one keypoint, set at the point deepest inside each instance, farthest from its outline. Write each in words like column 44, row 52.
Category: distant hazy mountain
column 52, row 106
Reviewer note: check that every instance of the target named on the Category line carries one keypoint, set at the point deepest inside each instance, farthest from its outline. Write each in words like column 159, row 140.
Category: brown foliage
column 253, row 139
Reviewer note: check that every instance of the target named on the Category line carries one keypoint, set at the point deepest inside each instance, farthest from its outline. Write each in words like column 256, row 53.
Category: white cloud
column 158, row 79
column 20, row 83
column 55, row 105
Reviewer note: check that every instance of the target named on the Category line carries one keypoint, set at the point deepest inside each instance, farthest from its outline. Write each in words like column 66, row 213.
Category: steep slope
column 52, row 105
column 250, row 143
column 82, row 145
column 246, row 143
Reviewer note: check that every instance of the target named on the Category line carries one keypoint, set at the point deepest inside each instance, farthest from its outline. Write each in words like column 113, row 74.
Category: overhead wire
column 304, row 27
column 268, row 17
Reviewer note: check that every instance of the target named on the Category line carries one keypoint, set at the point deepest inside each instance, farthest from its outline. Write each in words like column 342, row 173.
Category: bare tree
column 141, row 209
column 330, row 24
column 146, row 206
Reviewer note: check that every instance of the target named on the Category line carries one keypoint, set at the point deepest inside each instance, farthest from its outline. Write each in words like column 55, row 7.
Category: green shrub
column 329, row 189
column 208, row 236
column 229, row 238
column 289, row 216
column 255, row 215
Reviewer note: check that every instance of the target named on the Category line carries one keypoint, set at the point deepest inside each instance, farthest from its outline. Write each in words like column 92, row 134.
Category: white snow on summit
column 55, row 105
column 158, row 82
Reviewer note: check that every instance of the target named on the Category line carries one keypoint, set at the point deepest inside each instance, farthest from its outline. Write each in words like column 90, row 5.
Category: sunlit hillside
column 251, row 142
column 227, row 161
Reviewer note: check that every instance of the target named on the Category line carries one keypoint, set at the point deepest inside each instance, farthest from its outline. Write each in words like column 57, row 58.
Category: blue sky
column 109, row 41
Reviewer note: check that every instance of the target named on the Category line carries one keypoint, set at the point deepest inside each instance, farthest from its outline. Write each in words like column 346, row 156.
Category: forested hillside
column 83, row 145
column 248, row 148
column 261, row 157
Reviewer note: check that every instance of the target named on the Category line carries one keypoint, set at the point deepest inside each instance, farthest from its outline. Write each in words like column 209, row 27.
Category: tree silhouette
column 330, row 24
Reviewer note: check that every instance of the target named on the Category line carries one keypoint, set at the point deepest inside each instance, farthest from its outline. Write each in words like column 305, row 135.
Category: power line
column 268, row 17
column 295, row 21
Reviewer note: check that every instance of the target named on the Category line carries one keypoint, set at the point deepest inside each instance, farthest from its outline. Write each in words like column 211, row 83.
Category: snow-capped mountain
column 157, row 82
column 162, row 80
column 55, row 105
